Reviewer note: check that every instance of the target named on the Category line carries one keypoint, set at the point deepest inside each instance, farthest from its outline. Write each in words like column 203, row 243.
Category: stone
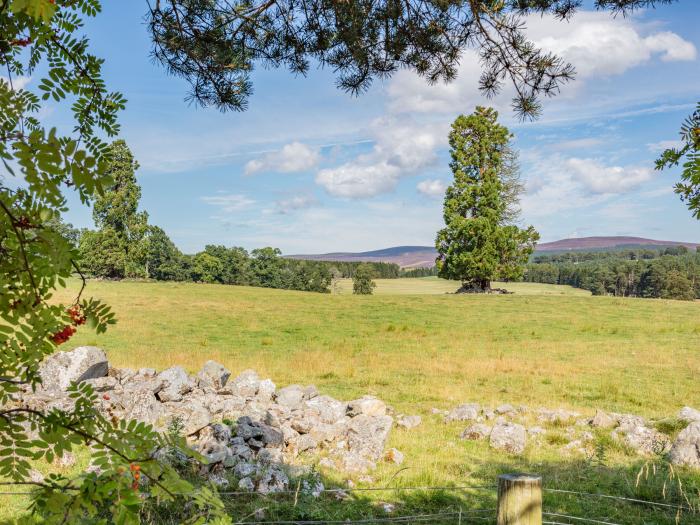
column 213, row 375
column 641, row 438
column 141, row 404
column 246, row 384
column 685, row 450
column 266, row 390
column 367, row 406
column 510, row 437
column 273, row 479
column 556, row 416
column 465, row 412
column 505, row 409
column 304, row 442
column 602, row 420
column 290, row 397
column 476, row 431
column 329, row 410
column 271, row 437
column 244, row 470
column 368, row 435
column 356, row 463
column 175, row 383
column 102, row 384
column 60, row 369
column 270, row 455
column 394, row 456
column 246, row 484
column 689, row 414
column 192, row 414
column 408, row 422
column 536, row 431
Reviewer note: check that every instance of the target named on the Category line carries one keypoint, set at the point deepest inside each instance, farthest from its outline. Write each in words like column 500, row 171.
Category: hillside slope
column 424, row 256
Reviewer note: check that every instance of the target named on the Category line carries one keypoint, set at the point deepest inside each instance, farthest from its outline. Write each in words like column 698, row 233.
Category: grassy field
column 417, row 348
column 434, row 285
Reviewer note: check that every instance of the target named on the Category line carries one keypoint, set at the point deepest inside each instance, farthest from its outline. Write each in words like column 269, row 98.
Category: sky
column 309, row 169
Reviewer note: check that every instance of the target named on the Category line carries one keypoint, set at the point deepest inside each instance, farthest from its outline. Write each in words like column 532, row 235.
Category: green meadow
column 418, row 347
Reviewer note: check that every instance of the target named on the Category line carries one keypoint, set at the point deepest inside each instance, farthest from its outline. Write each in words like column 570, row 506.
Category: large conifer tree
column 477, row 245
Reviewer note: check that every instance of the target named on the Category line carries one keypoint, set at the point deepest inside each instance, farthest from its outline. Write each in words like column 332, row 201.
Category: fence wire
column 622, row 498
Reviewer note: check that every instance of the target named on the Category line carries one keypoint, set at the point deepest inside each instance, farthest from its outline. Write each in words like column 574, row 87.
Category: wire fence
column 457, row 515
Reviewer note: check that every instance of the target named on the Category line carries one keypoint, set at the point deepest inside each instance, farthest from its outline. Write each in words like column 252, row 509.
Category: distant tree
column 102, row 254
column 476, row 246
column 163, row 260
column 206, row 268
column 236, row 263
column 689, row 153
column 677, row 286
column 362, row 283
column 266, row 268
column 115, row 212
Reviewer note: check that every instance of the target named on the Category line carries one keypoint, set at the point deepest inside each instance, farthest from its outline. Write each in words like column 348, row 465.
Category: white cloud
column 19, row 82
column 292, row 157
column 356, row 180
column 594, row 42
column 229, row 202
column 432, row 187
column 557, row 184
column 298, row 202
column 601, row 179
column 599, row 45
column 402, row 147
column 662, row 145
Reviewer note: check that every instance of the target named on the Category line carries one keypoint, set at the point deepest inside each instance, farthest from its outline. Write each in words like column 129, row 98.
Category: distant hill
column 424, row 256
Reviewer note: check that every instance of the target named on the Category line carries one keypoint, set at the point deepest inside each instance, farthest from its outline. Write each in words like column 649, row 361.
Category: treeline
column 161, row 260
column 671, row 273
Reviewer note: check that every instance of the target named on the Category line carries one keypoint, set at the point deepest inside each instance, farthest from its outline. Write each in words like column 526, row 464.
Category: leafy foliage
column 478, row 245
column 671, row 273
column 40, row 38
column 362, row 283
column 689, row 153
column 215, row 44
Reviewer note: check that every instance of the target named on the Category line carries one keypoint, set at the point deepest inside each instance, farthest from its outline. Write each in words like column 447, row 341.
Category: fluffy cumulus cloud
column 402, row 148
column 557, row 184
column 293, row 157
column 229, row 202
column 594, row 42
column 432, row 187
column 599, row 45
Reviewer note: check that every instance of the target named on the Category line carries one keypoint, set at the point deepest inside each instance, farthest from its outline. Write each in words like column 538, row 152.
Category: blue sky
column 309, row 168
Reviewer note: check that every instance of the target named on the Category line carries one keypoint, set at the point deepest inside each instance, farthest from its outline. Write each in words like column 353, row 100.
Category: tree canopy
column 215, row 44
column 477, row 244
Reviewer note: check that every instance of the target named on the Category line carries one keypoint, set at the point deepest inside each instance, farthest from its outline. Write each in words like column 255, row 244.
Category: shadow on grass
column 650, row 481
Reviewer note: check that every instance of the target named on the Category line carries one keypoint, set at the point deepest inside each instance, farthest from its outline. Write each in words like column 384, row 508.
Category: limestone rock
column 394, row 456
column 510, row 437
column 408, row 422
column 367, row 406
column 689, row 414
column 174, row 384
column 466, row 412
column 476, row 431
column 60, row 369
column 367, row 435
column 686, row 448
column 602, row 420
column 290, row 397
column 213, row 375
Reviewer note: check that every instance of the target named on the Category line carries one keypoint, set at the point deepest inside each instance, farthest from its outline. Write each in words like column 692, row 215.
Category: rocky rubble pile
column 509, row 428
column 245, row 424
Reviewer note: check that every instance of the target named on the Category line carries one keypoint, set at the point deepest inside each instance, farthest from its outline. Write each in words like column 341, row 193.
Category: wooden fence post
column 519, row 499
